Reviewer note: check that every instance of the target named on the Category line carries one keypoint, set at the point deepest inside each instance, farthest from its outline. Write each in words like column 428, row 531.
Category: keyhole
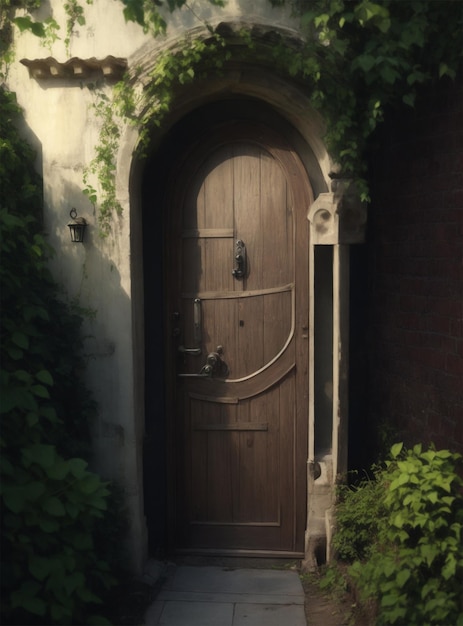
column 241, row 323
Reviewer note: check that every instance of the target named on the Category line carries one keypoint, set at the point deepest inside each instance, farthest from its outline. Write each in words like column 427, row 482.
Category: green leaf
column 398, row 482
column 73, row 581
column 59, row 470
column 45, row 377
column 25, row 23
column 72, row 509
column 39, row 567
column 389, row 600
column 389, row 74
column 23, row 376
column 40, row 391
column 450, row 568
column 366, row 62
column 14, row 499
column 20, row 339
column 32, row 419
column 54, row 507
column 33, row 605
column 445, row 70
column 398, row 520
column 396, row 449
column 49, row 413
column 26, row 598
column 409, row 99
column 402, row 577
column 90, row 484
column 78, row 467
column 40, row 454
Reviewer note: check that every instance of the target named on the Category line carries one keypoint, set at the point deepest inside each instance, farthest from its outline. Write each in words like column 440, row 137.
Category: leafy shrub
column 414, row 567
column 52, row 506
column 358, row 511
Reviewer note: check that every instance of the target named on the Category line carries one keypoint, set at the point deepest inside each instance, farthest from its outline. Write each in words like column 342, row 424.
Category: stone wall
column 414, row 345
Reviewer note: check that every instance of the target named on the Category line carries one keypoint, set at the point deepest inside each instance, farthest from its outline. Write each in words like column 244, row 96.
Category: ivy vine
column 358, row 59
column 144, row 109
column 75, row 15
column 355, row 60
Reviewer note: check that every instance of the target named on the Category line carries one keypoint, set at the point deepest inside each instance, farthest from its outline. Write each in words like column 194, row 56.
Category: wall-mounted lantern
column 77, row 227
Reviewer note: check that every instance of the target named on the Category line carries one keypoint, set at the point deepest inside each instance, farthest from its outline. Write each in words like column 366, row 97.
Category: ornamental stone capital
column 338, row 216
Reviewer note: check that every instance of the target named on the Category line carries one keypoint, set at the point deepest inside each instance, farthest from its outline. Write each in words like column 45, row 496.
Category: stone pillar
column 337, row 219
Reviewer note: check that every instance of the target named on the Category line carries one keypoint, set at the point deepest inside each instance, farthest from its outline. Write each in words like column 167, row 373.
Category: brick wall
column 414, row 273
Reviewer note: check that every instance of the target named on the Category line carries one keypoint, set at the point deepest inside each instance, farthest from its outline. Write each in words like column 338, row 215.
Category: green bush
column 413, row 570
column 358, row 511
column 52, row 506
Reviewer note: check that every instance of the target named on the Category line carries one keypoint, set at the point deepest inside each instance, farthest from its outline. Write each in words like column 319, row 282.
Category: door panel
column 238, row 461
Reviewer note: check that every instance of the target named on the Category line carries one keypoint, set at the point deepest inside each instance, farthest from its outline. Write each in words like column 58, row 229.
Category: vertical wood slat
column 277, row 244
column 277, row 315
column 248, row 210
column 219, row 189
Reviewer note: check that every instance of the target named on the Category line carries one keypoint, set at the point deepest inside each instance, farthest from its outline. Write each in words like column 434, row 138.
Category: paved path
column 221, row 596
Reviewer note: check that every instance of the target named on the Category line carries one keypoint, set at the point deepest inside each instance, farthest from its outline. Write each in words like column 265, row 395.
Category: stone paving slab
column 269, row 615
column 198, row 596
column 217, row 596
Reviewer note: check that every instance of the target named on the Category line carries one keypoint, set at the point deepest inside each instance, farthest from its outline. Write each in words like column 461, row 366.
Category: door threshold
column 240, row 553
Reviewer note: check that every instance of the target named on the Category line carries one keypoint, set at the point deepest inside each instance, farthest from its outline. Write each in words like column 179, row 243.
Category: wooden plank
column 197, row 467
column 277, row 245
column 219, row 189
column 251, row 336
column 205, row 233
column 248, row 218
column 218, row 264
column 259, row 475
column 277, row 323
column 235, row 426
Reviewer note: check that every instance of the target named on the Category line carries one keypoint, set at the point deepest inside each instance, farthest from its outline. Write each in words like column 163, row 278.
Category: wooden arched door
column 237, row 359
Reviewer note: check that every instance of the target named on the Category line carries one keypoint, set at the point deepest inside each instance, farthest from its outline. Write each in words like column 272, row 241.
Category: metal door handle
column 215, row 366
column 184, row 350
column 196, row 330
column 240, row 269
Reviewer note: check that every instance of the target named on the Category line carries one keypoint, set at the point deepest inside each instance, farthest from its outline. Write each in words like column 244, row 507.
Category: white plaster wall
column 62, row 127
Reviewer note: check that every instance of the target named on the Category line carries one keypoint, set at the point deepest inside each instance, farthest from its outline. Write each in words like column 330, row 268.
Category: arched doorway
column 235, row 441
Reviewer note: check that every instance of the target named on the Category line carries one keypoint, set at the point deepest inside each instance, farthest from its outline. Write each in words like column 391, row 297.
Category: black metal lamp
column 77, row 227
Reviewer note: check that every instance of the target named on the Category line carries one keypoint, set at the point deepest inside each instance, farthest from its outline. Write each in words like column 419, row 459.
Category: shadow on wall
column 92, row 273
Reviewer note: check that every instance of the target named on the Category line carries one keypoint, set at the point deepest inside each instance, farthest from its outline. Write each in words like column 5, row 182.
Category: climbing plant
column 145, row 109
column 355, row 59
column 55, row 513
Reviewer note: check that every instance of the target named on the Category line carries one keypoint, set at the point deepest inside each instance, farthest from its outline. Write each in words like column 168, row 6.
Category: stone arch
column 253, row 77
column 255, row 80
